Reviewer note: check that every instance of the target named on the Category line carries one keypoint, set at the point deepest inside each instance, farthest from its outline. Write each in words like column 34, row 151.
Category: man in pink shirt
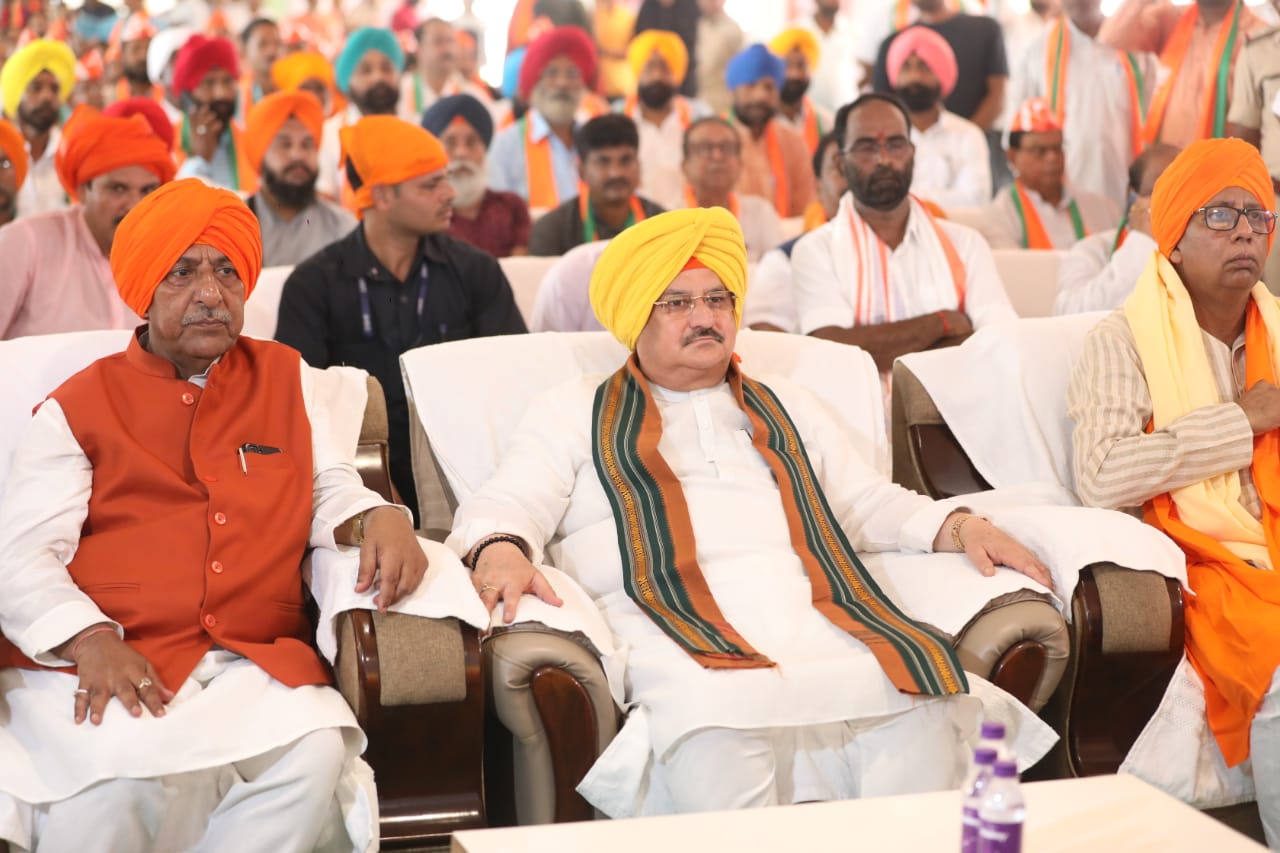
column 57, row 277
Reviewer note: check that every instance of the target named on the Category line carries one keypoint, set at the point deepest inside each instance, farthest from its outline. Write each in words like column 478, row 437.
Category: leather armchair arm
column 1020, row 643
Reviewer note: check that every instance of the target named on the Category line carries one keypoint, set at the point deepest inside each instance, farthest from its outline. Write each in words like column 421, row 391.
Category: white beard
column 469, row 182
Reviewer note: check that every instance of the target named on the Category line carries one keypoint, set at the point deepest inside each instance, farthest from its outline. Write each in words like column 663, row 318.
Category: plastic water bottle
column 975, row 784
column 1002, row 812
column 992, row 737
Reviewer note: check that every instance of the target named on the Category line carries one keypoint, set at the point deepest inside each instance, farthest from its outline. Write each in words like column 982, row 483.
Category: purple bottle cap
column 1006, row 770
column 985, row 756
column 992, row 729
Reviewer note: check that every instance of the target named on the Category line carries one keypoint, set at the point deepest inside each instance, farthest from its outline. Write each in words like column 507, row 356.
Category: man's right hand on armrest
column 503, row 573
column 109, row 667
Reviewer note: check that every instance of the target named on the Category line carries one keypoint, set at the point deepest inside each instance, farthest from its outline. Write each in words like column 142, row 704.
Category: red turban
column 179, row 215
column 94, row 144
column 387, row 150
column 932, row 49
column 268, row 115
column 1200, row 172
column 14, row 148
column 148, row 109
column 562, row 41
column 198, row 57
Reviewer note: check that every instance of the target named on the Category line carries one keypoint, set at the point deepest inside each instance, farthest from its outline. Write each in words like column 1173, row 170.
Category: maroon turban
column 572, row 42
column 198, row 57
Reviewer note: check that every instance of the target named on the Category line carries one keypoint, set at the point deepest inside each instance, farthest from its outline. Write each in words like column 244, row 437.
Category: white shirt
column 836, row 80
column 771, row 294
column 1024, row 34
column 416, row 94
column 952, row 164
column 42, row 191
column 1098, row 129
column 507, row 168
column 872, row 24
column 328, row 182
column 1003, row 229
column 662, row 154
column 821, row 300
column 1091, row 278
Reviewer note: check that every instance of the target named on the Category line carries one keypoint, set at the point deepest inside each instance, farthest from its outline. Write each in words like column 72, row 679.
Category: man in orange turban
column 282, row 140
column 398, row 280
column 13, row 169
column 155, row 471
column 55, row 263
column 1177, row 411
column 1040, row 210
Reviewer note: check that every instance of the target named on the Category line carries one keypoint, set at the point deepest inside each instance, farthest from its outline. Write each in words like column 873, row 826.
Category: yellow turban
column 669, row 45
column 641, row 262
column 27, row 62
column 1200, row 172
column 789, row 40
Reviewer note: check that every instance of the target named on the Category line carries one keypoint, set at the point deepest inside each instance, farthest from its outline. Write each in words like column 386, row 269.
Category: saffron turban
column 361, row 42
column 752, row 64
column 198, row 57
column 387, row 150
column 94, row 144
column 642, row 261
column 148, row 109
column 268, row 115
column 666, row 44
column 932, row 49
column 447, row 110
column 162, row 48
column 572, row 42
column 290, row 72
column 1200, row 172
column 796, row 38
column 28, row 61
column 179, row 215
column 14, row 148
column 1035, row 116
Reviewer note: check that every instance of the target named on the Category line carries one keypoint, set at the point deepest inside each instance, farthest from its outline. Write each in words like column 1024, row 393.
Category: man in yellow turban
column 798, row 49
column 398, row 280
column 309, row 71
column 705, row 480
column 1176, row 411
column 34, row 84
column 662, row 115
column 282, row 141
column 162, row 690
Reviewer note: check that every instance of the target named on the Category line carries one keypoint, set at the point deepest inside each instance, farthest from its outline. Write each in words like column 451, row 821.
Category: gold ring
column 486, row 587
column 82, row 691
column 144, row 683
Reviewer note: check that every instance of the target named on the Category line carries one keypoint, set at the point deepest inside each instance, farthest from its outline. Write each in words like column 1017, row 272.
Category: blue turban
column 361, row 42
column 511, row 72
column 752, row 64
column 441, row 114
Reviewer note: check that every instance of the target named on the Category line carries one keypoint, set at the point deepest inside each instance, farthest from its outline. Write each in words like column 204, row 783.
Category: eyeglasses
column 682, row 306
column 706, row 149
column 1042, row 151
column 1221, row 217
column 866, row 150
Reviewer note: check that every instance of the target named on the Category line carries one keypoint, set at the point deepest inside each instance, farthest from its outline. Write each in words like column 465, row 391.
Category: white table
column 1101, row 813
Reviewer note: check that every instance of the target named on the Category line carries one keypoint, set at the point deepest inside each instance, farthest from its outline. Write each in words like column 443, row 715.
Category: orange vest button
column 188, row 398
column 216, row 566
column 209, row 621
column 219, row 518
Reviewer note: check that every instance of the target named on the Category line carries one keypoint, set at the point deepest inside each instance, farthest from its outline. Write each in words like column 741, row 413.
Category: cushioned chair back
column 524, row 273
column 1030, row 278
column 468, row 396
column 262, row 308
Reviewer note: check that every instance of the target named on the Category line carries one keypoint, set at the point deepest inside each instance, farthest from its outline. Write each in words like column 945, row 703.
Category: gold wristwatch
column 357, row 527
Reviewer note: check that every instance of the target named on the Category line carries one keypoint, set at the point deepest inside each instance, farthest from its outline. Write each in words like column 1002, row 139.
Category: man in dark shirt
column 497, row 222
column 397, row 281
column 609, row 165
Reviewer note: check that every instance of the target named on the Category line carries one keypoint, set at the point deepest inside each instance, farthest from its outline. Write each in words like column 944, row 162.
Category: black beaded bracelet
column 494, row 539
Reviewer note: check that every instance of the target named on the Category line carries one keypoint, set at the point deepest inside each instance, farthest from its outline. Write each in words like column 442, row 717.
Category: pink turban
column 931, row 48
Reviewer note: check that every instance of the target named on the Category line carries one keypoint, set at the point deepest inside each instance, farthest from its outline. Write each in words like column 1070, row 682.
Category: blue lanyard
column 366, row 310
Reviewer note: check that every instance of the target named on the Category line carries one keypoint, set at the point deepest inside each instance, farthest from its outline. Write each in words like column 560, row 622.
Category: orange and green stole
column 659, row 554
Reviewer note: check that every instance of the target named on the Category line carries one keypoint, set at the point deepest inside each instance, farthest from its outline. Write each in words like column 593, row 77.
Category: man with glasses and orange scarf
column 1176, row 411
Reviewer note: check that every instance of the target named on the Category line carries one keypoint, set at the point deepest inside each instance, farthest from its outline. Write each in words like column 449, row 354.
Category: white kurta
column 546, row 490
column 662, row 154
column 1003, row 229
column 42, row 190
column 836, row 80
column 1091, row 278
column 242, row 712
column 952, row 164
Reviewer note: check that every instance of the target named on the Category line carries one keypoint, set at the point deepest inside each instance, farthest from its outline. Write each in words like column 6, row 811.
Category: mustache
column 706, row 332
column 619, row 183
column 204, row 313
column 462, row 167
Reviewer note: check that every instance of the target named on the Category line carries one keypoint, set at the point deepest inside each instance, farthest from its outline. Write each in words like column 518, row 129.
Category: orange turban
column 179, row 215
column 388, row 150
column 290, row 72
column 1035, row 116
column 268, row 115
column 793, row 39
column 14, row 148
column 94, row 144
column 1200, row 172
column 666, row 44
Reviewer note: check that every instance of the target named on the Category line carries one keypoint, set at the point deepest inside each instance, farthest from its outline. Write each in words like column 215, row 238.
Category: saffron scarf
column 1057, row 58
column 1233, row 620
column 811, row 128
column 1033, row 234
column 541, row 174
column 659, row 553
column 1213, row 124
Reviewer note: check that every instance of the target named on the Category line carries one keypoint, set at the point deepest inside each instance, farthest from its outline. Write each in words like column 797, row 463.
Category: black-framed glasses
column 866, row 150
column 682, row 306
column 729, row 148
column 1222, row 217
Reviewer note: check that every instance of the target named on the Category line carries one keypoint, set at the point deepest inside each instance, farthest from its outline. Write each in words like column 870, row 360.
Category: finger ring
column 144, row 683
column 486, row 587
column 82, row 691
column 202, row 130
